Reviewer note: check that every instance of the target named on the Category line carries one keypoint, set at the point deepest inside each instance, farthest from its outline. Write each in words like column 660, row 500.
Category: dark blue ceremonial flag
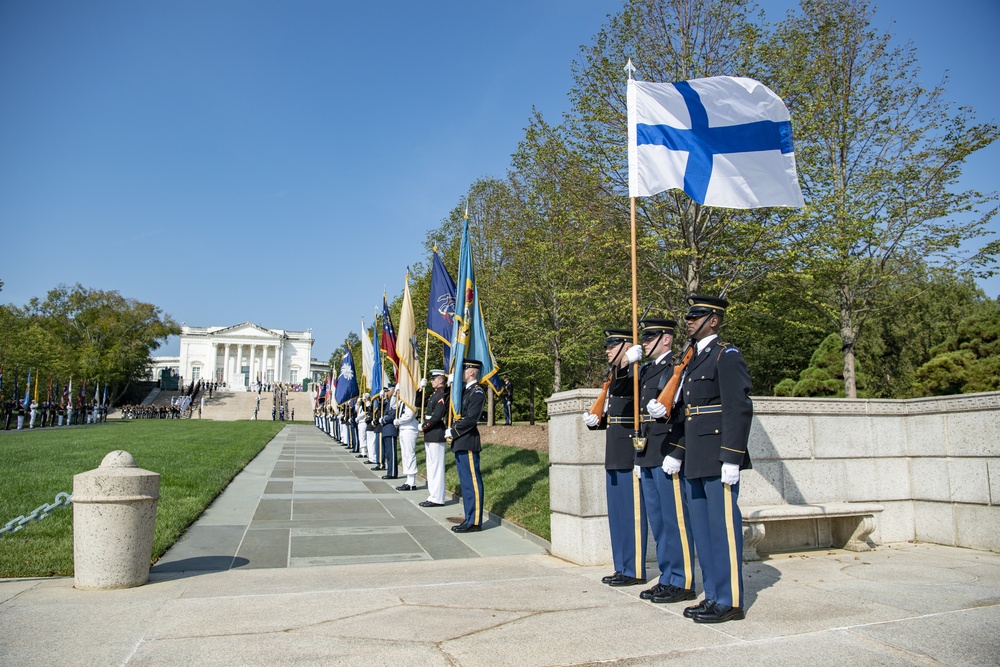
column 441, row 306
column 347, row 381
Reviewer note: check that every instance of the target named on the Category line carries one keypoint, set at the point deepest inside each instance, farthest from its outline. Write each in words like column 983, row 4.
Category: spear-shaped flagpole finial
column 466, row 209
column 629, row 67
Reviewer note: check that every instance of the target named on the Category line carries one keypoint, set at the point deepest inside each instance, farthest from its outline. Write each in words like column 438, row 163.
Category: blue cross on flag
column 726, row 141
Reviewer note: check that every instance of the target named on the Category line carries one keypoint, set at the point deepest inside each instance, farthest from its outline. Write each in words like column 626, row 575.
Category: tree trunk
column 491, row 419
column 848, row 338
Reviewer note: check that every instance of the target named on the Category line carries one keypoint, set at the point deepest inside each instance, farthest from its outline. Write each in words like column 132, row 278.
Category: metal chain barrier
column 62, row 500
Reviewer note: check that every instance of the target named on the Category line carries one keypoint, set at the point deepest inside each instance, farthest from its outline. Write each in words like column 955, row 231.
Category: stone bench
column 817, row 525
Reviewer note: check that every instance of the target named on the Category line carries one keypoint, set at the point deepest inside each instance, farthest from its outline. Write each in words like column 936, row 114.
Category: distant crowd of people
column 14, row 414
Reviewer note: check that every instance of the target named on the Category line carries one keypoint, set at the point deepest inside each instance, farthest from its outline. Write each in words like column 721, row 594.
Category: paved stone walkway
column 502, row 602
column 307, row 500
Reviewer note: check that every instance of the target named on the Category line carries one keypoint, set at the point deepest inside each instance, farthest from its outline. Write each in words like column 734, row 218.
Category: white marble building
column 239, row 355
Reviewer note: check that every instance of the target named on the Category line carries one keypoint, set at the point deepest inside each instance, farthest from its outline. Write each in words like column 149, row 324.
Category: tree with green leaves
column 684, row 247
column 879, row 156
column 969, row 360
column 93, row 334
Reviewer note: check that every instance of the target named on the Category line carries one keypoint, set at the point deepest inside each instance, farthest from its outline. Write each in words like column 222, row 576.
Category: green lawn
column 516, row 483
column 195, row 460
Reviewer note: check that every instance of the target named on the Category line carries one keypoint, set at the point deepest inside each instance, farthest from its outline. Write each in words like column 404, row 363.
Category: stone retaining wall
column 933, row 463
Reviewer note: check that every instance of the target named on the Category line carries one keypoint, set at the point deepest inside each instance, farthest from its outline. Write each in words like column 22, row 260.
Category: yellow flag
column 406, row 348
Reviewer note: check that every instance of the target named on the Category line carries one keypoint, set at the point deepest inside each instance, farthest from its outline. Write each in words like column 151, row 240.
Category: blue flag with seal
column 441, row 306
column 469, row 339
column 347, row 381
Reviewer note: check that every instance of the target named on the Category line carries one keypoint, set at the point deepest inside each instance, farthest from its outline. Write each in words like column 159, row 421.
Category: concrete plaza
column 309, row 558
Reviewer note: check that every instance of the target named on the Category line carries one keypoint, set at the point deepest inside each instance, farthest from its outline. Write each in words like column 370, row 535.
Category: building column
column 253, row 355
column 225, row 362
column 213, row 361
column 277, row 362
column 280, row 361
column 239, row 363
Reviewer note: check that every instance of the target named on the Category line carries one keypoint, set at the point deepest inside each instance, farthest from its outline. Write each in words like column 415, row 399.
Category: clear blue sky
column 217, row 158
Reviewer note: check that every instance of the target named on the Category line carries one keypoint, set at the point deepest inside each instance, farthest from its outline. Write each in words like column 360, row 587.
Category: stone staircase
column 234, row 405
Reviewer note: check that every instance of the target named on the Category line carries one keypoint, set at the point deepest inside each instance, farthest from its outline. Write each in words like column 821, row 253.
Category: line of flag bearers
column 681, row 473
column 370, row 427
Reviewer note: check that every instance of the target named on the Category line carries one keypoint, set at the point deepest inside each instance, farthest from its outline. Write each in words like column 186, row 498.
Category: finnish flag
column 726, row 141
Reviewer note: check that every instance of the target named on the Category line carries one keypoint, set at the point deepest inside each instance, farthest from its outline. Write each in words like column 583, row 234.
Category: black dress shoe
column 428, row 503
column 466, row 528
column 405, row 487
column 673, row 594
column 719, row 613
column 622, row 580
column 360, row 456
column 689, row 612
column 607, row 579
column 658, row 589
column 388, row 477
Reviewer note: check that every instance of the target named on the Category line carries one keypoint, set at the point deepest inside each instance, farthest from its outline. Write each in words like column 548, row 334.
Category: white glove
column 730, row 474
column 634, row 353
column 671, row 466
column 395, row 422
column 590, row 419
column 655, row 409
column 637, row 471
column 423, row 382
column 447, row 434
column 451, row 378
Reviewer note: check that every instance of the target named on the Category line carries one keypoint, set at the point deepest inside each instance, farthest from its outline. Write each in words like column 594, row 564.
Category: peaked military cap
column 437, row 372
column 616, row 336
column 699, row 306
column 653, row 327
column 472, row 363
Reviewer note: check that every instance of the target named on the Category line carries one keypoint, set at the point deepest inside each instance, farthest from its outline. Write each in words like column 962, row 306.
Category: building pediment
column 246, row 330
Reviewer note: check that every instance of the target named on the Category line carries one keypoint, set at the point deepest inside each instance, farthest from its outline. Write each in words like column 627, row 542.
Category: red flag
column 388, row 340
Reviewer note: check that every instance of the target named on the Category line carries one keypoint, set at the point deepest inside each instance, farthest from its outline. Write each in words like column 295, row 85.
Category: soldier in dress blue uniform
column 626, row 510
column 464, row 435
column 378, row 411
column 714, row 397
column 390, row 432
column 662, row 491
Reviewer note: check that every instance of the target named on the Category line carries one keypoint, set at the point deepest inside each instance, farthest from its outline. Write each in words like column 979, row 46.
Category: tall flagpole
column 629, row 67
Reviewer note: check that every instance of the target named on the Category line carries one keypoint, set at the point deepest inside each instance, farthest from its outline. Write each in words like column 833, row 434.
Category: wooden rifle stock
column 666, row 397
column 597, row 409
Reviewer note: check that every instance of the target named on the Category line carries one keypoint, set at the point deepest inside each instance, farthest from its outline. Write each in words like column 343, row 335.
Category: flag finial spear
column 629, row 67
column 466, row 209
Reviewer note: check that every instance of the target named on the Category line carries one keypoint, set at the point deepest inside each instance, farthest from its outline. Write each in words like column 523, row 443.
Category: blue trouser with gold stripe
column 627, row 520
column 668, row 517
column 717, row 526
column 389, row 455
column 471, row 480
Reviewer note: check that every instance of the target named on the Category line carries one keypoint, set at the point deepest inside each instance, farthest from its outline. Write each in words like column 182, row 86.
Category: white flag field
column 725, row 141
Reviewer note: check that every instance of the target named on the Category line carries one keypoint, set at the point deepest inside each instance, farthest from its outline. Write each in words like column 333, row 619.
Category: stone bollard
column 114, row 514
